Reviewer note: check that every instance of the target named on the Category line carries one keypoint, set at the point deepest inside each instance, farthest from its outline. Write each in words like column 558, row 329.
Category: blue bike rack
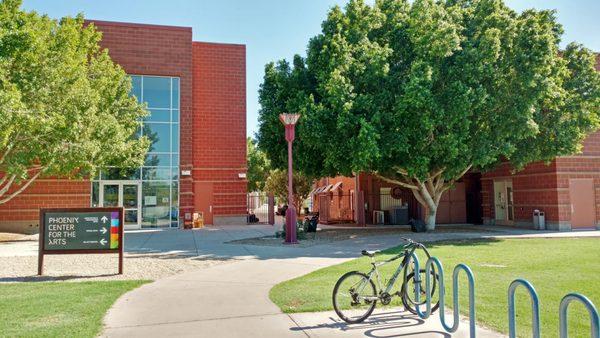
column 456, row 311
column 535, row 303
column 535, row 307
column 564, row 307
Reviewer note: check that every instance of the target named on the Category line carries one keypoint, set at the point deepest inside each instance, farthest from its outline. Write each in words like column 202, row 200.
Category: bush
column 300, row 231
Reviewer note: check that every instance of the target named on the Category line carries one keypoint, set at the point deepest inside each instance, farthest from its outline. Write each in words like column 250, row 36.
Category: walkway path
column 231, row 299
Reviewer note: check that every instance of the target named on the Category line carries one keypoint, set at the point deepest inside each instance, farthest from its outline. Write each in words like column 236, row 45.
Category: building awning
column 336, row 186
column 327, row 188
column 318, row 190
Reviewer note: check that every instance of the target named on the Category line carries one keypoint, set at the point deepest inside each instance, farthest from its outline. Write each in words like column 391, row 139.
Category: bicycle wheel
column 408, row 292
column 349, row 297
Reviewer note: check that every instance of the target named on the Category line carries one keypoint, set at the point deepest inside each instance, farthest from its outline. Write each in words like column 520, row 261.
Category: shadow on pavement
column 379, row 325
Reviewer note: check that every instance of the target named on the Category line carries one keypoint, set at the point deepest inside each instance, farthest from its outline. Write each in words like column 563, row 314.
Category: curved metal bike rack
column 455, row 301
column 564, row 307
column 535, row 307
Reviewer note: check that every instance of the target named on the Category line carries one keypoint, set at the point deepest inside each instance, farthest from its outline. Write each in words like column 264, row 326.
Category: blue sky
column 276, row 29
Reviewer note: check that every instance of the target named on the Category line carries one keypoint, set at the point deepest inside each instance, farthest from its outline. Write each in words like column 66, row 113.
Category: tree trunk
column 431, row 219
column 428, row 191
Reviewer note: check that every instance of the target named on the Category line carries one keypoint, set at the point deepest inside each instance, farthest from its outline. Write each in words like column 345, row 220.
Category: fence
column 535, row 307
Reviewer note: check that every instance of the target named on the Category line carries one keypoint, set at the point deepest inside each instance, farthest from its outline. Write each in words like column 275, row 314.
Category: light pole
column 289, row 121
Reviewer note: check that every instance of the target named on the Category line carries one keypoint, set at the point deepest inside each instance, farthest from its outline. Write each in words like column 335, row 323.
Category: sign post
column 80, row 231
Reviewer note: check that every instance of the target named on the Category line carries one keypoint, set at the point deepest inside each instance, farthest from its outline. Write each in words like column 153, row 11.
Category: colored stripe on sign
column 114, row 241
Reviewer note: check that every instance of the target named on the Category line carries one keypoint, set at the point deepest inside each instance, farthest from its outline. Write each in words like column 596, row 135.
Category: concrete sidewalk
column 231, row 299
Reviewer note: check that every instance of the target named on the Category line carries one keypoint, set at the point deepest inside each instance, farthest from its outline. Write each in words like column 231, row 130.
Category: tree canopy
column 277, row 184
column 65, row 106
column 258, row 166
column 420, row 92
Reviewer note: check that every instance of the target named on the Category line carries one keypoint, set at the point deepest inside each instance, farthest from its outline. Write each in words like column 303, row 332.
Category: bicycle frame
column 406, row 254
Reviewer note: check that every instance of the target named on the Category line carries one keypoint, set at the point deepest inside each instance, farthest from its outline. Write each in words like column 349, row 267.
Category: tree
column 65, row 108
column 420, row 92
column 258, row 166
column 277, row 184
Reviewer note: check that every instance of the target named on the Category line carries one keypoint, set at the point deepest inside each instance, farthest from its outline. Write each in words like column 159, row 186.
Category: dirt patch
column 330, row 235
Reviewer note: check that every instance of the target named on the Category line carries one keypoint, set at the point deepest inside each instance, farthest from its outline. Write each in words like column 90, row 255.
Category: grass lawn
column 58, row 309
column 555, row 267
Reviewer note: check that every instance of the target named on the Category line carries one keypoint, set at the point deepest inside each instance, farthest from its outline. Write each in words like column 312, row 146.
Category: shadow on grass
column 449, row 242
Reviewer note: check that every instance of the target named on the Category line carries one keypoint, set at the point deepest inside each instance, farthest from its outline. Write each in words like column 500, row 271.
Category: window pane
column 157, row 91
column 159, row 135
column 154, row 174
column 156, row 204
column 174, row 204
column 175, row 137
column 175, row 174
column 136, row 87
column 95, row 194
column 121, row 174
column 175, row 160
column 158, row 115
column 158, row 160
column 175, row 115
column 176, row 93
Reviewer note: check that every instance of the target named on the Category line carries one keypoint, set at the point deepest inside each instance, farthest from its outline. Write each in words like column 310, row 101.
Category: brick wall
column 219, row 129
column 22, row 212
column 546, row 187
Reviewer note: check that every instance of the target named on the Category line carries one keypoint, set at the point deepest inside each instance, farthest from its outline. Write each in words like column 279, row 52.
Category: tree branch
column 20, row 190
column 400, row 183
column 8, row 184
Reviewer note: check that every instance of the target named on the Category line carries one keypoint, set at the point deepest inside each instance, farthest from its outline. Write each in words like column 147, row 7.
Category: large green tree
column 65, row 108
column 419, row 92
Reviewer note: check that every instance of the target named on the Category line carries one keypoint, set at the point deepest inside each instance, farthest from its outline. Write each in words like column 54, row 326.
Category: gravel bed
column 12, row 237
column 99, row 267
column 330, row 235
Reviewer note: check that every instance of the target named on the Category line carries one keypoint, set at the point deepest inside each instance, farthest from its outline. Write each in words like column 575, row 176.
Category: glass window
column 158, row 115
column 175, row 174
column 154, row 174
column 175, row 93
column 136, row 87
column 156, row 210
column 95, row 194
column 174, row 204
column 159, row 135
column 157, row 160
column 159, row 177
column 156, row 91
column 175, row 137
column 121, row 174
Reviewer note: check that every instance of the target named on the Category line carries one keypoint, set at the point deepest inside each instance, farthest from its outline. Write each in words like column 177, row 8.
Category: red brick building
column 196, row 94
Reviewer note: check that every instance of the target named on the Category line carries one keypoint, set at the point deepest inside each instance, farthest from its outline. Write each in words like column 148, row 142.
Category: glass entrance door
column 124, row 194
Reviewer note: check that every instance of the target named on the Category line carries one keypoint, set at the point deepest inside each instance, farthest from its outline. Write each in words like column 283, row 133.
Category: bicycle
column 360, row 291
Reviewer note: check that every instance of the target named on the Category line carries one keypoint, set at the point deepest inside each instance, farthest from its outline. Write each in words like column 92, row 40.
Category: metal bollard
column 457, row 269
column 564, row 307
column 535, row 308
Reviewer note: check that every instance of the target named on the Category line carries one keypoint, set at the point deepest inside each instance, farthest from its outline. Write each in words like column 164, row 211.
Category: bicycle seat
column 370, row 253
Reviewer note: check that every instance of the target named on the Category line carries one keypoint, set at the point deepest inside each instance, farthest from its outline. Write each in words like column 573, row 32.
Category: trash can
column 539, row 220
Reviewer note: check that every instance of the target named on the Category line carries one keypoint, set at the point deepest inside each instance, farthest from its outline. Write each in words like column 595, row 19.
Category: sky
column 277, row 29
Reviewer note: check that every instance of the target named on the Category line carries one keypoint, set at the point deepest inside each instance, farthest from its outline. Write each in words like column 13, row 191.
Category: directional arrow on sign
column 104, row 219
column 103, row 241
column 103, row 230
